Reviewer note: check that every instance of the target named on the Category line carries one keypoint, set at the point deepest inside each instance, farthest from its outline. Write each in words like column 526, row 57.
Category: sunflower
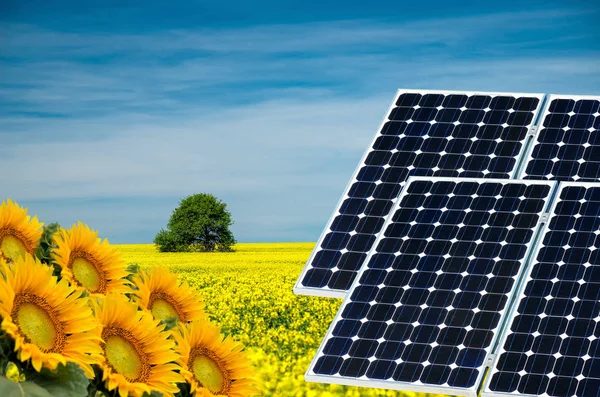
column 137, row 356
column 160, row 293
column 213, row 365
column 89, row 263
column 47, row 321
column 19, row 233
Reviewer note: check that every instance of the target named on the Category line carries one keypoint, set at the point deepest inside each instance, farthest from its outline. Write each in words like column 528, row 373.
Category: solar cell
column 424, row 310
column 567, row 146
column 552, row 347
column 445, row 134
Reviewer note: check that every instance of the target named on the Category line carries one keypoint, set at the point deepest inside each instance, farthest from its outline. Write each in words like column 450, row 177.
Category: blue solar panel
column 552, row 347
column 443, row 134
column 424, row 310
column 567, row 147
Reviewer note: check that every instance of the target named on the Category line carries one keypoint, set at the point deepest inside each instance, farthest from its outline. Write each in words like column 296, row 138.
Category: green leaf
column 200, row 223
column 46, row 247
column 184, row 390
column 170, row 322
column 153, row 394
column 8, row 388
column 66, row 381
column 133, row 268
column 7, row 347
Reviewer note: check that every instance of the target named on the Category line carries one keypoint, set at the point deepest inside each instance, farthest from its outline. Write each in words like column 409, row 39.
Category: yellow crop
column 249, row 294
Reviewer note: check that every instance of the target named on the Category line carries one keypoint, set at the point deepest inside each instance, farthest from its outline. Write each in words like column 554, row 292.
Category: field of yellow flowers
column 249, row 294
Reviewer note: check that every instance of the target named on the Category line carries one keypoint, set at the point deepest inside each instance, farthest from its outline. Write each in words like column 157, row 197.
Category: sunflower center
column 123, row 354
column 86, row 273
column 209, row 371
column 12, row 245
column 37, row 325
column 163, row 306
column 37, row 322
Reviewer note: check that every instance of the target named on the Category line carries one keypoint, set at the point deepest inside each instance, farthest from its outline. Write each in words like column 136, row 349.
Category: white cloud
column 272, row 119
column 279, row 166
column 251, row 147
column 301, row 37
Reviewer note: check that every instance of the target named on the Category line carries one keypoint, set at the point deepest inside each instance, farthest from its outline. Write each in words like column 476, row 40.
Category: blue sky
column 112, row 111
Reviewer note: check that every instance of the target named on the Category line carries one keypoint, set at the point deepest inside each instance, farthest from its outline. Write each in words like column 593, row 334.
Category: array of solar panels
column 445, row 134
column 552, row 347
column 484, row 262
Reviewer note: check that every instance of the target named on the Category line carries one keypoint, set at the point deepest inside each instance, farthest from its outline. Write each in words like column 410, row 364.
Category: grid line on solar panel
column 423, row 312
column 425, row 133
column 567, row 144
column 552, row 347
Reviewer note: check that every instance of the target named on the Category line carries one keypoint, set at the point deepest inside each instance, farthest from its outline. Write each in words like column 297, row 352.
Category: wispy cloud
column 271, row 118
column 250, row 147
column 67, row 73
column 286, row 38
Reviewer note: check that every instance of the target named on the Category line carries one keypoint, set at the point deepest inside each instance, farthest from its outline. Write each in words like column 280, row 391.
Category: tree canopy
column 200, row 223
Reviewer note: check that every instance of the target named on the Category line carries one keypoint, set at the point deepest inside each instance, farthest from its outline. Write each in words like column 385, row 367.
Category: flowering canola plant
column 249, row 294
column 76, row 321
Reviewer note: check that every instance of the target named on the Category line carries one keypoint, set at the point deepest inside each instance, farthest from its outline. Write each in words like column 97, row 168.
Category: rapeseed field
column 249, row 294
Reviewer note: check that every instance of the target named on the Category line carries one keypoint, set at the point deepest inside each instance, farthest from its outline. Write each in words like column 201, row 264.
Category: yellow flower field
column 249, row 294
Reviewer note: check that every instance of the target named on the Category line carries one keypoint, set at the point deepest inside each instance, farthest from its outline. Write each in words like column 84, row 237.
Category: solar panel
column 446, row 134
column 424, row 311
column 552, row 347
column 567, row 147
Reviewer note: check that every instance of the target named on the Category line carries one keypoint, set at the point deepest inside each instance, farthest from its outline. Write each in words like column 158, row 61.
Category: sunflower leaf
column 133, row 268
column 46, row 245
column 97, row 388
column 66, row 381
column 153, row 394
column 170, row 323
column 184, row 390
column 7, row 348
column 8, row 388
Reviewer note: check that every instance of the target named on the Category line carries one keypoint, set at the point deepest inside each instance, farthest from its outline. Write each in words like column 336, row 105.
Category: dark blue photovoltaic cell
column 446, row 135
column 568, row 143
column 428, row 302
column 552, row 347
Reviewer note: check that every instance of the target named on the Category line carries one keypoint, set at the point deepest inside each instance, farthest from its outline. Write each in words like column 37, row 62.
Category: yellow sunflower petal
column 212, row 364
column 89, row 263
column 19, row 233
column 137, row 357
column 160, row 293
column 36, row 317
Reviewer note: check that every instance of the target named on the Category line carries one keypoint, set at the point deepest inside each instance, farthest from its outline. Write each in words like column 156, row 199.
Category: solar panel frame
column 325, row 292
column 310, row 376
column 333, row 293
column 528, row 155
column 520, row 293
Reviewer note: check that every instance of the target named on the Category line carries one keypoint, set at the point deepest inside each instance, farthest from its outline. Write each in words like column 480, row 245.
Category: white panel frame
column 327, row 292
column 299, row 289
column 310, row 376
column 485, row 391
column 545, row 112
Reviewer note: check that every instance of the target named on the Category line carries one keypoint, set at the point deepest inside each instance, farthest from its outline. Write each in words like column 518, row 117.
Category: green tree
column 200, row 223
